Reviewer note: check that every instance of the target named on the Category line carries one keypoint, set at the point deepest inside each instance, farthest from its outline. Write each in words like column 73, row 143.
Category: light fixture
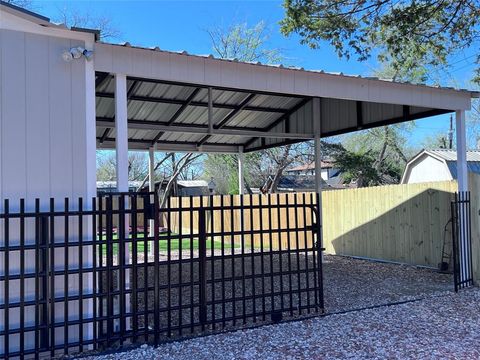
column 88, row 54
column 67, row 56
column 76, row 53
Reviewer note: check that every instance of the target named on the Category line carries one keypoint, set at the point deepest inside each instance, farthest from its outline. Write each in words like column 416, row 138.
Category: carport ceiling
column 174, row 116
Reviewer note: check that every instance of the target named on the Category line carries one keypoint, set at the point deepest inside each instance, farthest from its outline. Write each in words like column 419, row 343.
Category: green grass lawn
column 174, row 244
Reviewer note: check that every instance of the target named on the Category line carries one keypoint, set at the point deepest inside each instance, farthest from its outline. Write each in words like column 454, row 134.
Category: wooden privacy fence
column 278, row 219
column 402, row 223
column 283, row 220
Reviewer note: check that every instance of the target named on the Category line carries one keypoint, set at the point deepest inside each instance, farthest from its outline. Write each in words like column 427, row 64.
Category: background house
column 182, row 187
column 438, row 165
column 104, row 187
column 328, row 169
column 301, row 176
column 298, row 183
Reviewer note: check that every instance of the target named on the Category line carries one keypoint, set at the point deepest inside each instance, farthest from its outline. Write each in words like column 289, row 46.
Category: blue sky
column 180, row 25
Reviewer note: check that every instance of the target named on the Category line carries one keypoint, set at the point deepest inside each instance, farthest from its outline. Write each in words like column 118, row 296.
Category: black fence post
column 202, row 254
column 320, row 249
column 44, row 236
column 454, row 242
column 461, row 241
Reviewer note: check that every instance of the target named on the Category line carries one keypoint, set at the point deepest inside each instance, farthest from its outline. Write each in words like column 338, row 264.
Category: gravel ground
column 348, row 284
column 445, row 325
column 352, row 283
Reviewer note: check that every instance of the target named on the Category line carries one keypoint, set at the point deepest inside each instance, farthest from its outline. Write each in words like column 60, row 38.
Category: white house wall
column 43, row 119
column 426, row 169
column 47, row 131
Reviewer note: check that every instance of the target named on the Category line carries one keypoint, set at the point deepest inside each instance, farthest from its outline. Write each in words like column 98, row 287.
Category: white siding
column 426, row 169
column 46, row 151
column 43, row 119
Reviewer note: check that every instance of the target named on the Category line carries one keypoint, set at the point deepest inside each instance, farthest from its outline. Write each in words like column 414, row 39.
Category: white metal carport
column 179, row 102
column 55, row 114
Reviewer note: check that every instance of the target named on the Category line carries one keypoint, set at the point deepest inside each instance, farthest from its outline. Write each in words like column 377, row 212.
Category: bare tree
column 106, row 166
column 72, row 17
column 155, row 168
column 178, row 166
column 281, row 158
column 244, row 43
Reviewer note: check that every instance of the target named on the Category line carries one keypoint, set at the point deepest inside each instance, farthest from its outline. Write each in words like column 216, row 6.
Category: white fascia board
column 412, row 161
column 435, row 156
column 11, row 20
column 168, row 66
column 405, row 172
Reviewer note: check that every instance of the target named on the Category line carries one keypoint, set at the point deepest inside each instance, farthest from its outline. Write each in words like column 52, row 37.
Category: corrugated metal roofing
column 451, row 155
column 158, row 102
column 152, row 102
column 472, row 166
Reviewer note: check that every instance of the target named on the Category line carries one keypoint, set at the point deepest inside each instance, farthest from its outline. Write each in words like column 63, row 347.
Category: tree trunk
column 381, row 156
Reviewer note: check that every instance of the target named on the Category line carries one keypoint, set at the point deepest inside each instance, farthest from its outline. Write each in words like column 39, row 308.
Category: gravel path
column 440, row 326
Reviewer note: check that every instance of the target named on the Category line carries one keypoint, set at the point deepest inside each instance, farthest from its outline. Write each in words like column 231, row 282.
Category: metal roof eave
column 207, row 71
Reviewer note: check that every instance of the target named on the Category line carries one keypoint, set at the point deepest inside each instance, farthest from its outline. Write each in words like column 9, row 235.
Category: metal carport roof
column 254, row 106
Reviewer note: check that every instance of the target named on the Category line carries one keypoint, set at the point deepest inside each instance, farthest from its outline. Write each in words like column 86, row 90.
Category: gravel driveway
column 440, row 326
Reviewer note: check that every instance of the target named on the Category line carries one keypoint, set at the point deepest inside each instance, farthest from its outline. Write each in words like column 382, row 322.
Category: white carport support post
column 151, row 188
column 462, row 180
column 462, row 172
column 121, row 148
column 121, row 127
column 318, row 164
column 241, row 160
column 91, row 149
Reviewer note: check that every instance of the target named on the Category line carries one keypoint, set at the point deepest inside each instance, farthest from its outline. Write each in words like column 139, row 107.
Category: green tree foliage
column 379, row 155
column 372, row 157
column 408, row 34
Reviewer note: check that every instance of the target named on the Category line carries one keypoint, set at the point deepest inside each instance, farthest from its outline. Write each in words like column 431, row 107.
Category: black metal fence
column 121, row 271
column 462, row 241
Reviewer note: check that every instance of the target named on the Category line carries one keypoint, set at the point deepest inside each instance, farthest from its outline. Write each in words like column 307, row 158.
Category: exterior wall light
column 76, row 53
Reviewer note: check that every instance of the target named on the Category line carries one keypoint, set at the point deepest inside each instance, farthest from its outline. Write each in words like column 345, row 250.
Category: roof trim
column 95, row 32
column 210, row 57
column 203, row 71
column 24, row 11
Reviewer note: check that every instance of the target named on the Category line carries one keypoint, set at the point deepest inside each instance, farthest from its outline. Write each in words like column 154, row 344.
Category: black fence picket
column 95, row 275
column 462, row 240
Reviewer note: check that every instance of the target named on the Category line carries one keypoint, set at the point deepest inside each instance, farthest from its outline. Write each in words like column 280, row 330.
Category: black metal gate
column 119, row 270
column 462, row 240
column 217, row 262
